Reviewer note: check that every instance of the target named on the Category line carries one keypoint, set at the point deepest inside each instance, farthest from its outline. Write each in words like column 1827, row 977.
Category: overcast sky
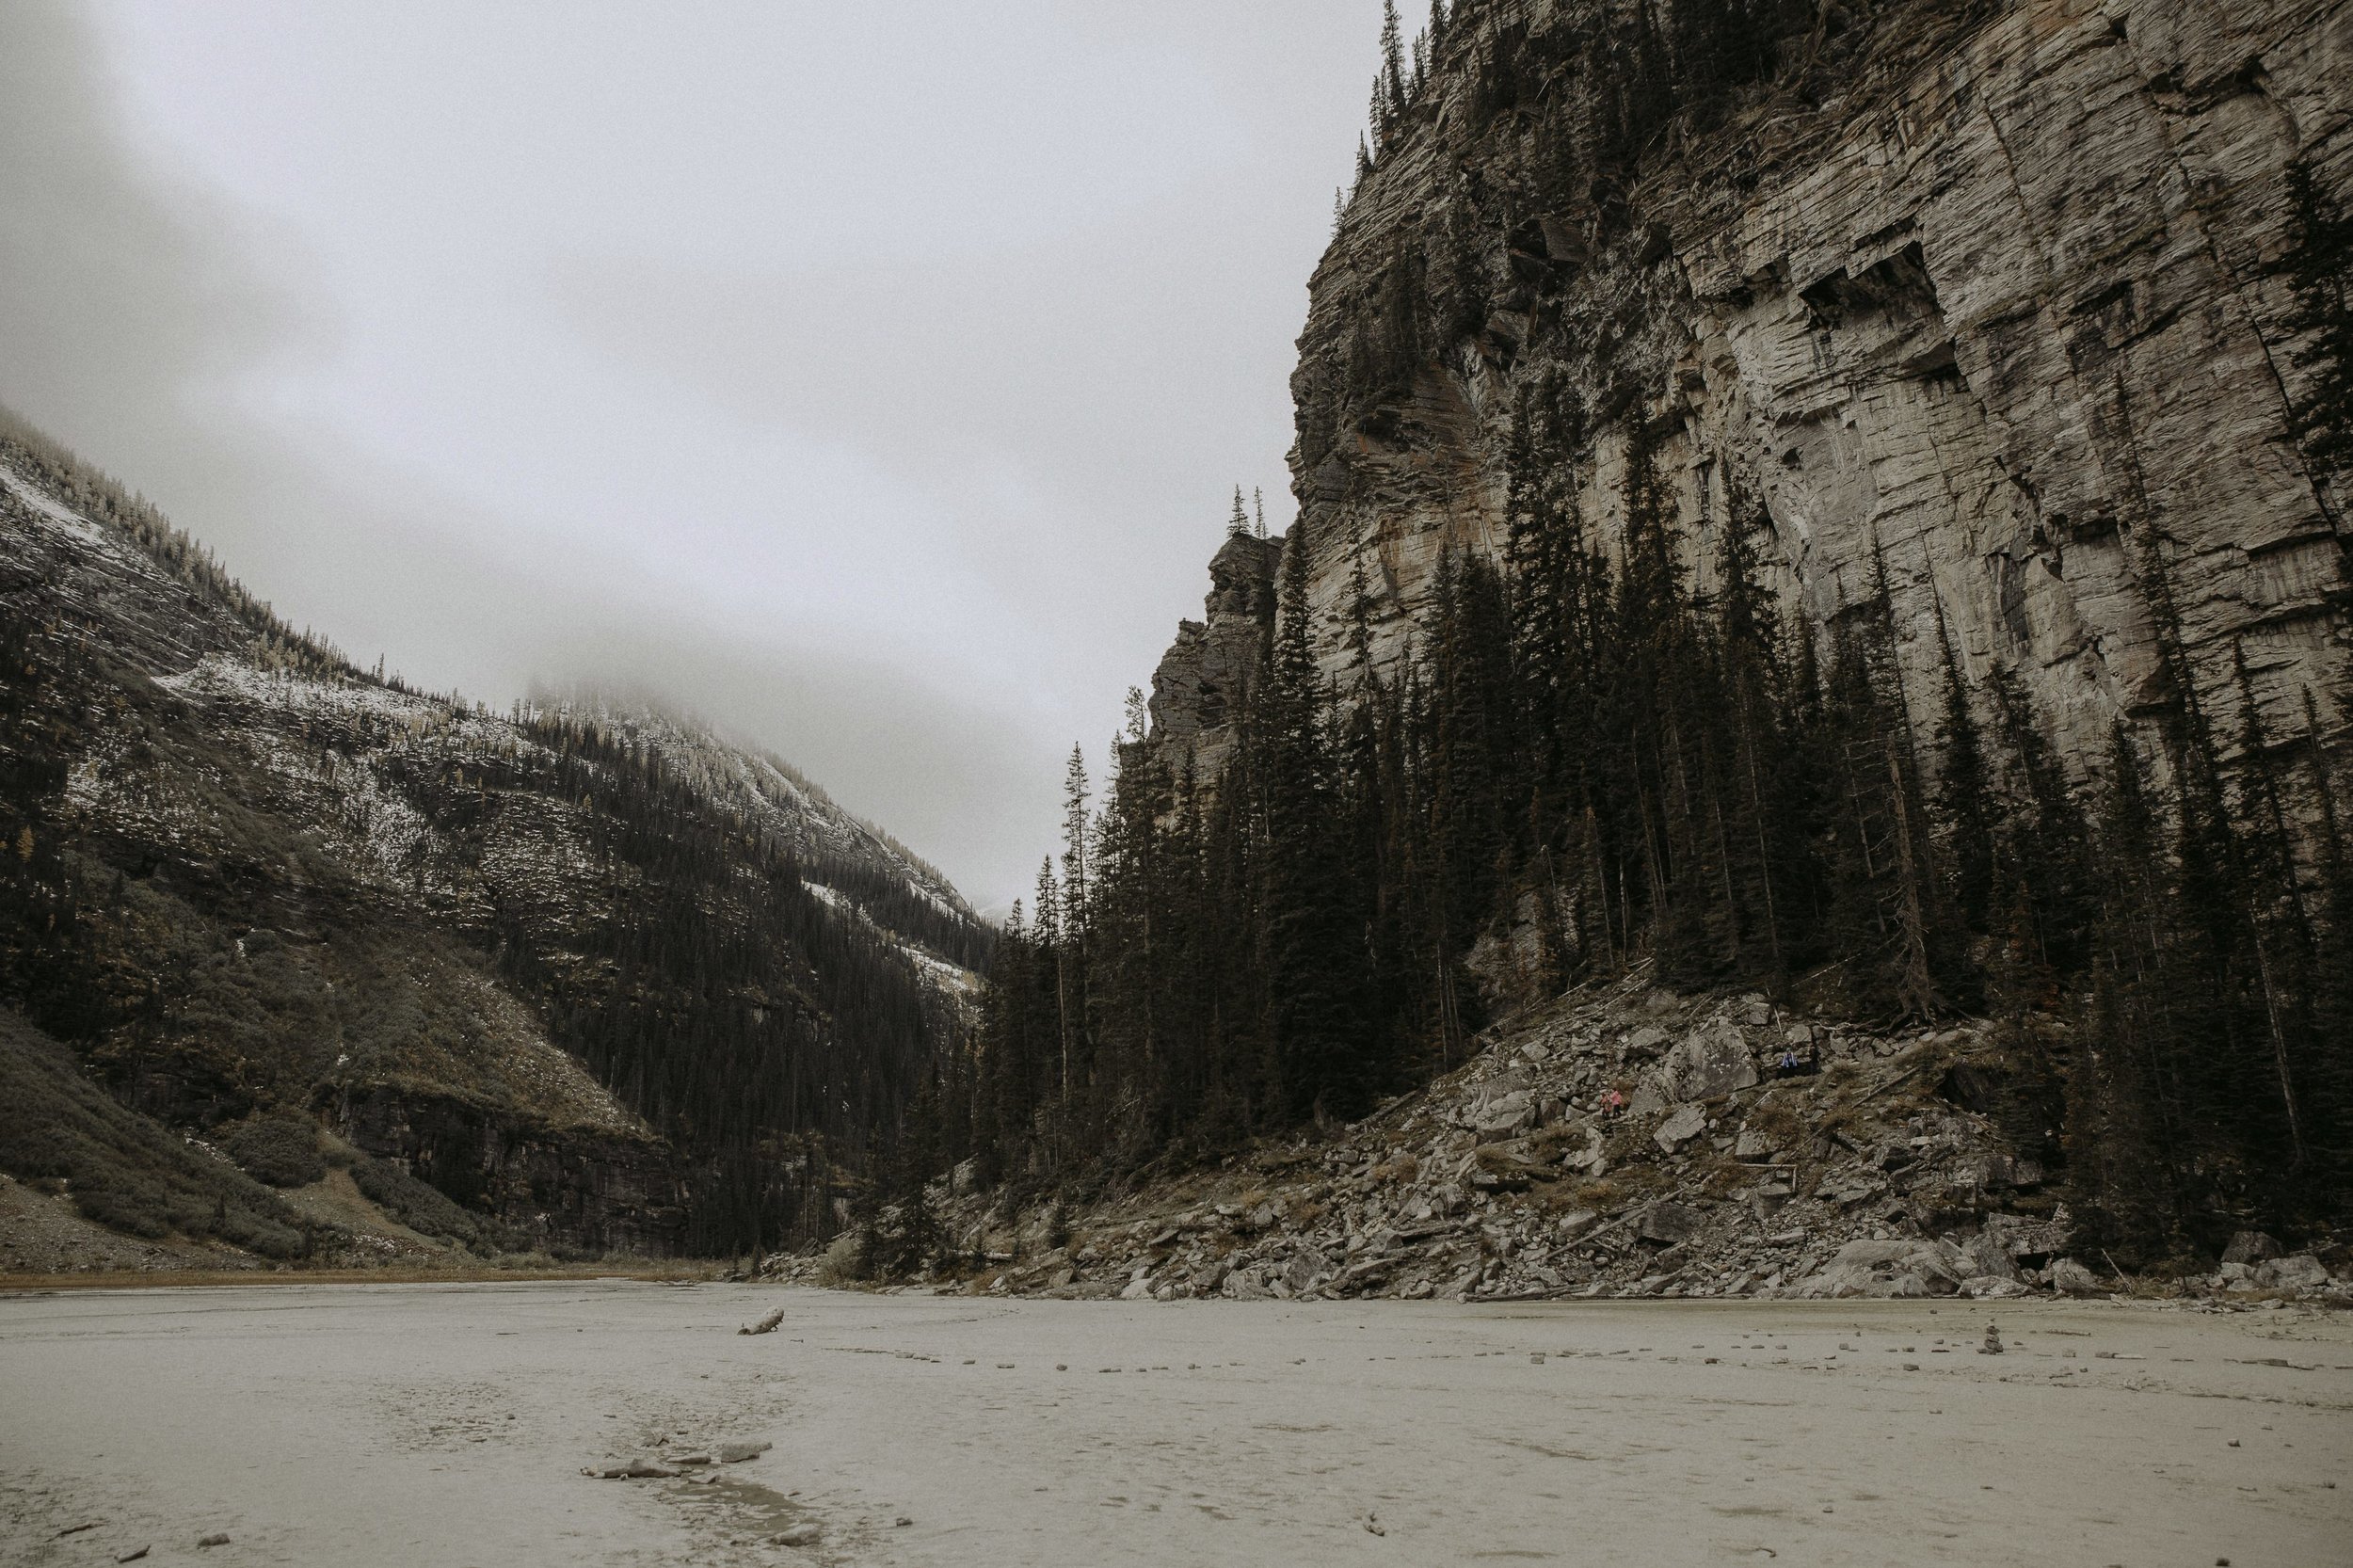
column 869, row 378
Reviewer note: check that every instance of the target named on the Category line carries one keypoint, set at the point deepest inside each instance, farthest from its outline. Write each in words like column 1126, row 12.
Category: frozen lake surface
column 429, row 1425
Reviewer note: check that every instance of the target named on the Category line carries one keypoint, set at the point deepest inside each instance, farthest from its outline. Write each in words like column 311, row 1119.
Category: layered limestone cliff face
column 1198, row 689
column 2005, row 307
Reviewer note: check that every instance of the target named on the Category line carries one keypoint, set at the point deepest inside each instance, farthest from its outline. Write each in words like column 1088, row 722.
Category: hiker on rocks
column 1613, row 1103
column 1789, row 1063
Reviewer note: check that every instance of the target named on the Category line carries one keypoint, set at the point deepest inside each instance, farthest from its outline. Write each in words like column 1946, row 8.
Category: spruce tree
column 2319, row 269
column 1390, row 91
column 1315, row 976
column 1964, row 785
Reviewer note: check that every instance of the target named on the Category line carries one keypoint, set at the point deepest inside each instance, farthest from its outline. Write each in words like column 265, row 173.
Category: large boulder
column 2071, row 1278
column 2028, row 1239
column 1708, row 1064
column 1240, row 1287
column 1645, row 1040
column 2251, row 1247
column 1897, row 1266
column 1504, row 1115
column 1307, row 1265
column 1987, row 1255
column 2301, row 1272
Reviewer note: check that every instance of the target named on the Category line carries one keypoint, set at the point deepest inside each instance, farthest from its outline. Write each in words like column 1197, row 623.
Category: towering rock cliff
column 1813, row 515
column 1987, row 297
column 1198, row 690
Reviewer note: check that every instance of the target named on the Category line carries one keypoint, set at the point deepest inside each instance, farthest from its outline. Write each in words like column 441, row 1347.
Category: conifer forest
column 1612, row 735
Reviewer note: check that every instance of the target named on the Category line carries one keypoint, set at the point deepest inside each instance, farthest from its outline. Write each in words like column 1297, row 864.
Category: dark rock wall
column 1997, row 295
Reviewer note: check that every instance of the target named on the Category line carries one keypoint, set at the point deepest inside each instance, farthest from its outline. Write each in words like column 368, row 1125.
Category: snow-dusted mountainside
column 593, row 972
column 765, row 789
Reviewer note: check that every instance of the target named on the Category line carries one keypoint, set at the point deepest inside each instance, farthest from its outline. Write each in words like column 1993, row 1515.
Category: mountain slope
column 1843, row 501
column 570, row 965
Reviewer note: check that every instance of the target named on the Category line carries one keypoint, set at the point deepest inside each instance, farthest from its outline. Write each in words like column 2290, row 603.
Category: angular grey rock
column 1686, row 1123
column 766, row 1325
column 1197, row 691
column 2024, row 1238
column 1986, row 1256
column 1898, row 1267
column 737, row 1453
column 2302, row 1271
column 1307, row 1265
column 1505, row 1116
column 1239, row 1286
column 1708, row 1064
column 2071, row 1278
column 1645, row 1040
column 1672, row 1222
column 2251, row 1247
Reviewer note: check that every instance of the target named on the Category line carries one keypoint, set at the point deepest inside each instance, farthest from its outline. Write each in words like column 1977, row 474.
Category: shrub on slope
column 123, row 1170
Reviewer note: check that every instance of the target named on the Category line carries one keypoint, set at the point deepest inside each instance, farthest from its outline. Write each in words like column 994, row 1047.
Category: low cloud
column 868, row 385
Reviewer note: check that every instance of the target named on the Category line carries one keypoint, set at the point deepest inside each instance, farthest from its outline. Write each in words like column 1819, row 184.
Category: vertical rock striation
column 1198, row 689
column 1997, row 300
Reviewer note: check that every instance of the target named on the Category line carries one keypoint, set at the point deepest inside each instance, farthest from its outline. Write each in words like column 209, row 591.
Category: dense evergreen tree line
column 771, row 1037
column 1631, row 754
column 1600, row 757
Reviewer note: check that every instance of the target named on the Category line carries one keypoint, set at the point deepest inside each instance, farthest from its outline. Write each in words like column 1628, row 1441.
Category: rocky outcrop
column 2002, row 311
column 600, row 1189
column 1198, row 690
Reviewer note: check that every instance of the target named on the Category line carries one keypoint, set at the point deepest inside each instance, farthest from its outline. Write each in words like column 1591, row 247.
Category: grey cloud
column 1061, row 399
